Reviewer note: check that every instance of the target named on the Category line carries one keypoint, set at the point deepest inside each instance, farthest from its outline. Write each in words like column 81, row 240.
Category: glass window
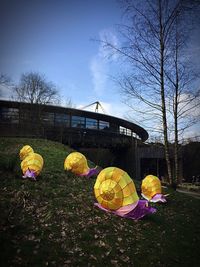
column 62, row 119
column 128, row 132
column 122, row 130
column 48, row 118
column 125, row 131
column 104, row 125
column 78, row 122
column 91, row 123
column 9, row 115
column 114, row 128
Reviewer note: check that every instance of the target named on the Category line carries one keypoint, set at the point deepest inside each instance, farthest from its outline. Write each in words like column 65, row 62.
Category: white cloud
column 99, row 64
column 108, row 36
column 192, row 132
column 189, row 119
column 98, row 69
column 5, row 92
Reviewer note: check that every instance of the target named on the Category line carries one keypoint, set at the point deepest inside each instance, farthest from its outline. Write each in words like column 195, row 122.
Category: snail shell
column 33, row 162
column 151, row 186
column 25, row 151
column 76, row 163
column 114, row 189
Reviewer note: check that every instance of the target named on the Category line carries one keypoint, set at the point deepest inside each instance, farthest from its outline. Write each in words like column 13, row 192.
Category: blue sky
column 54, row 37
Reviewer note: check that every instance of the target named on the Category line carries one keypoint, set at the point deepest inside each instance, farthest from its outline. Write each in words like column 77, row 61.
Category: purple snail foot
column 91, row 172
column 137, row 212
column 29, row 174
column 141, row 210
column 159, row 198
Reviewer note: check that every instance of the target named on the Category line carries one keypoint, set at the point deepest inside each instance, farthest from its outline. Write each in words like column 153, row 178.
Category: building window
column 125, row 131
column 114, row 128
column 10, row 115
column 48, row 118
column 122, row 130
column 128, row 132
column 104, row 125
column 91, row 123
column 78, row 122
column 62, row 119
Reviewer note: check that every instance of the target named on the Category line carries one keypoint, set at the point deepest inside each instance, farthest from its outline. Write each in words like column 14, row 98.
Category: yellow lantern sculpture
column 76, row 162
column 115, row 192
column 152, row 190
column 32, row 166
column 25, row 151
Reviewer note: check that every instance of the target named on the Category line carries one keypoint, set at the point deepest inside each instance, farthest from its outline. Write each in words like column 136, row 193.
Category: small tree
column 34, row 88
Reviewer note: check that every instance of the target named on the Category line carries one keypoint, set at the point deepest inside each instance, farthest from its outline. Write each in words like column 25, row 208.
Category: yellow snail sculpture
column 76, row 162
column 152, row 190
column 32, row 166
column 115, row 192
column 25, row 151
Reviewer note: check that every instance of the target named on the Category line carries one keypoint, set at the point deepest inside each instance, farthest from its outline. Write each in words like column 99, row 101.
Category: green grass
column 53, row 222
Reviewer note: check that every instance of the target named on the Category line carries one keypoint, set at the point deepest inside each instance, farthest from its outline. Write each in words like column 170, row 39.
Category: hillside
column 53, row 222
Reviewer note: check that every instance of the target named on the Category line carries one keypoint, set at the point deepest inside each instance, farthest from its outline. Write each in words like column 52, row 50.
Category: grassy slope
column 52, row 222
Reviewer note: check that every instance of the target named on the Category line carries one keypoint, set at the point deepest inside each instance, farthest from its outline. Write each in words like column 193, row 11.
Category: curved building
column 68, row 125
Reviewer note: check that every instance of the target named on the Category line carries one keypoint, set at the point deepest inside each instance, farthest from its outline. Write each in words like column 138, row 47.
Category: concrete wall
column 121, row 158
column 136, row 160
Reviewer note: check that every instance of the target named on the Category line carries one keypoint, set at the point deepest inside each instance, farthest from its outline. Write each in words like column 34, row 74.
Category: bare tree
column 34, row 88
column 148, row 49
column 185, row 93
column 4, row 79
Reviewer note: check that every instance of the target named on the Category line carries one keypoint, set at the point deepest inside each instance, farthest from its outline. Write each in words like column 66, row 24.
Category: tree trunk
column 177, row 179
column 162, row 92
column 166, row 143
column 176, row 163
